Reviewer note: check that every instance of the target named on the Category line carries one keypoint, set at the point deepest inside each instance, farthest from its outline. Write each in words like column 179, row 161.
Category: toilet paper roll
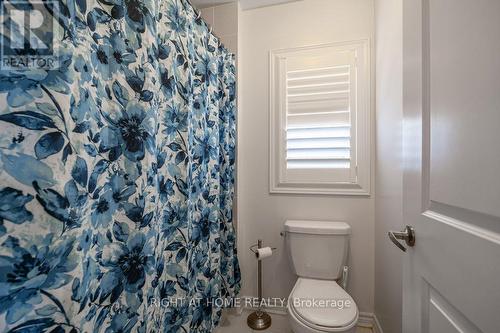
column 264, row 252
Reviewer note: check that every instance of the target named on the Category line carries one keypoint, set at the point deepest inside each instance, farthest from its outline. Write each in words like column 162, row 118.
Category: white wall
column 224, row 22
column 261, row 215
column 388, row 203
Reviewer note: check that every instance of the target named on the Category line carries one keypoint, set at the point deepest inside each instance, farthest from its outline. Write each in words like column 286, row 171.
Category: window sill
column 309, row 189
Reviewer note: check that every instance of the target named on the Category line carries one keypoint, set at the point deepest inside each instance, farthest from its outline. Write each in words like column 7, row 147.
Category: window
column 320, row 119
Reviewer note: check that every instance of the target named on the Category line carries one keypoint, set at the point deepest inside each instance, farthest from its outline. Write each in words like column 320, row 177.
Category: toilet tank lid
column 317, row 227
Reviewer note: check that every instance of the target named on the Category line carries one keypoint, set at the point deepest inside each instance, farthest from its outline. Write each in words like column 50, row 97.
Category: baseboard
column 376, row 325
column 368, row 319
column 365, row 319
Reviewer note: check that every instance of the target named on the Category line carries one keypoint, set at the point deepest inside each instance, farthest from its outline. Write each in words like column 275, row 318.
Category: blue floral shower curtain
column 117, row 175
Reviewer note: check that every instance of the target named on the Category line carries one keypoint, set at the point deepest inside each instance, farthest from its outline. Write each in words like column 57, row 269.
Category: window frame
column 361, row 137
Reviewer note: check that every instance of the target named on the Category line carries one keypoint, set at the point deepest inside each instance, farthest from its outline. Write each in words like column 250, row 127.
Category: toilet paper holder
column 254, row 248
column 259, row 319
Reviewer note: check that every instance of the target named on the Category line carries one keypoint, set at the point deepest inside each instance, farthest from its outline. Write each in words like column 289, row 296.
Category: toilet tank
column 317, row 249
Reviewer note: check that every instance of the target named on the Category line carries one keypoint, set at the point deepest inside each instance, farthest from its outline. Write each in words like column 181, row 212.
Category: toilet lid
column 323, row 303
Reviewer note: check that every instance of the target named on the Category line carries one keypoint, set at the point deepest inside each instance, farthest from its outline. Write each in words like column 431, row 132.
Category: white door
column 451, row 97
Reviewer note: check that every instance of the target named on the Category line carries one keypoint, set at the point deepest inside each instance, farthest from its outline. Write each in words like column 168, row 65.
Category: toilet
column 318, row 253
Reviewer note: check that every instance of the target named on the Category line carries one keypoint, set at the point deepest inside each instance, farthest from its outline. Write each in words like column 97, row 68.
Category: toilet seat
column 333, row 311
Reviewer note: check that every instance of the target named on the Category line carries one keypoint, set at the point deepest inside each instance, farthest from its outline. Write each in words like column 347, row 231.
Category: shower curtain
column 117, row 175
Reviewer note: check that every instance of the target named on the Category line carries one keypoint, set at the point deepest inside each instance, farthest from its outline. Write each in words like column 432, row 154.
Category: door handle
column 408, row 235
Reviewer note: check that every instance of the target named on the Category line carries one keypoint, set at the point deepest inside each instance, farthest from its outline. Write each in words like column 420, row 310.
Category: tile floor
column 234, row 323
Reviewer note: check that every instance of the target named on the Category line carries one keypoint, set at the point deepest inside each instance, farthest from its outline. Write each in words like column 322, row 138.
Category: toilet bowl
column 318, row 253
column 334, row 310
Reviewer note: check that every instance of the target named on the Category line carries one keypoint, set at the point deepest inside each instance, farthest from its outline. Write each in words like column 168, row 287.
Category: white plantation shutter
column 318, row 131
column 320, row 118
